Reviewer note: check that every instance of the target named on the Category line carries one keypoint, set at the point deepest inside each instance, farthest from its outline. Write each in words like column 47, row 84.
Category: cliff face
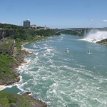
column 7, row 46
column 6, row 33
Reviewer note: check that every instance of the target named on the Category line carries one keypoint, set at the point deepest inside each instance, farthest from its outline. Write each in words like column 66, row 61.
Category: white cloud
column 104, row 20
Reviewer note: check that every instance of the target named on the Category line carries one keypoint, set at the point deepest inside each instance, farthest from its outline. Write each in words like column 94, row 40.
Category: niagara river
column 65, row 71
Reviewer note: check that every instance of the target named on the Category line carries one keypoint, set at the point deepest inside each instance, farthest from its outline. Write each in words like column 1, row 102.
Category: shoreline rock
column 2, row 87
column 104, row 41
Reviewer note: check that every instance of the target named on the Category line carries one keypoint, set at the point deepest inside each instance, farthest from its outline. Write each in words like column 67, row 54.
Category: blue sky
column 55, row 13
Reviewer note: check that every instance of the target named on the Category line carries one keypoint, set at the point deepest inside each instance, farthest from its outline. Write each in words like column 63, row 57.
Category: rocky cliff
column 6, row 33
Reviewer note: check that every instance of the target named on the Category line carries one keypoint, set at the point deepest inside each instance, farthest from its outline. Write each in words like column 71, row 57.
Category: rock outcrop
column 104, row 41
column 6, row 33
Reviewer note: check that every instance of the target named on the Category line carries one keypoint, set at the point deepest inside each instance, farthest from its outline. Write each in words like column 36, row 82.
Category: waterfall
column 95, row 36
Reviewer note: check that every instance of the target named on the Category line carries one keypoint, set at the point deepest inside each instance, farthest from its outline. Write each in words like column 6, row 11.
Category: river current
column 65, row 71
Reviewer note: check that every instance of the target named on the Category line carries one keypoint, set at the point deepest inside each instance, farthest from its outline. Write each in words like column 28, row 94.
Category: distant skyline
column 55, row 13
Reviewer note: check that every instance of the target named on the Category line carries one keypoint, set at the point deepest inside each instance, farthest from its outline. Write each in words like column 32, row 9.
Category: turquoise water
column 65, row 71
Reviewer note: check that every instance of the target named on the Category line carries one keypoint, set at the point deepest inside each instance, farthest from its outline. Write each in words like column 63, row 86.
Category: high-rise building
column 26, row 23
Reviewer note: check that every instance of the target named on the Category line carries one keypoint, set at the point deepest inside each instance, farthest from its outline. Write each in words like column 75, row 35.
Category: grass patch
column 6, row 72
column 13, row 100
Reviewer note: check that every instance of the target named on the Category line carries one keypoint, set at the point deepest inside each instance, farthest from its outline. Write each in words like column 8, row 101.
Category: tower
column 26, row 23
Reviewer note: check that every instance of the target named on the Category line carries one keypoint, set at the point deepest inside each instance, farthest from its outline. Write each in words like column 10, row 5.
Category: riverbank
column 14, row 100
column 12, row 55
column 2, row 87
column 12, row 77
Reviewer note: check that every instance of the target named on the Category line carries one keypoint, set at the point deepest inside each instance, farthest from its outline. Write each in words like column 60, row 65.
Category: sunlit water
column 65, row 71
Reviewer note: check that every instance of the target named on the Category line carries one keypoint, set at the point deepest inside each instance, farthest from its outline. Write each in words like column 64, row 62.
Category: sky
column 55, row 13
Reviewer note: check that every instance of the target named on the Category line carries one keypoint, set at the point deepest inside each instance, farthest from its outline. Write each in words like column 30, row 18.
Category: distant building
column 33, row 26
column 43, row 28
column 26, row 23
